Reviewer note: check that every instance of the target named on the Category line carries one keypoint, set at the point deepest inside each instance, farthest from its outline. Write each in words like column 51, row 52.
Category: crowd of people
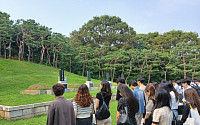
column 137, row 104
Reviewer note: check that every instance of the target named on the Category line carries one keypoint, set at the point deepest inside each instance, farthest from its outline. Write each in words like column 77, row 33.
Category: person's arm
column 186, row 112
column 97, row 104
column 109, row 104
column 117, row 117
column 50, row 115
column 156, row 117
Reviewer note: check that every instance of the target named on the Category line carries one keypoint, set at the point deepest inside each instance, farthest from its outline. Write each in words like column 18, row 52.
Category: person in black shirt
column 106, row 93
column 119, row 81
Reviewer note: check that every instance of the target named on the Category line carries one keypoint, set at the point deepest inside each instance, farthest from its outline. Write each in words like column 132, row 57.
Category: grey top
column 149, row 107
column 61, row 112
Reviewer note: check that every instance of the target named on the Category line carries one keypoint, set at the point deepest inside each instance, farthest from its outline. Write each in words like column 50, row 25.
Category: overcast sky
column 144, row 16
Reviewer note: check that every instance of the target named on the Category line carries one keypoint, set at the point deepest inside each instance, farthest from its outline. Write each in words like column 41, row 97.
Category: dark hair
column 83, row 97
column 106, row 90
column 162, row 98
column 178, row 82
column 58, row 89
column 150, row 88
column 163, row 81
column 188, row 81
column 133, row 83
column 155, row 84
column 192, row 97
column 171, row 88
column 131, row 100
column 141, row 79
column 121, row 80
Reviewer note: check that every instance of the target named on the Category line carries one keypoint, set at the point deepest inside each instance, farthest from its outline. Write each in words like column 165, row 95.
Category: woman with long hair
column 193, row 104
column 174, row 95
column 104, row 95
column 130, row 100
column 162, row 115
column 150, row 92
column 83, row 105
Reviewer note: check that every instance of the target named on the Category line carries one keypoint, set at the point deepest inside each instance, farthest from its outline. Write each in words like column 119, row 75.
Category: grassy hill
column 16, row 76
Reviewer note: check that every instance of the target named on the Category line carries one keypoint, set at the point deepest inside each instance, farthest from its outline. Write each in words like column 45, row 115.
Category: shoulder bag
column 124, row 118
column 103, row 111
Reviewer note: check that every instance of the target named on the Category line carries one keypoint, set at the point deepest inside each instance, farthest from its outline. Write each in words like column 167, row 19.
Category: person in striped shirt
column 83, row 106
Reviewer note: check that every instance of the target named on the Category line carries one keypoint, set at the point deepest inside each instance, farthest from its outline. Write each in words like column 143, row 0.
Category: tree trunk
column 29, row 53
column 10, row 50
column 32, row 56
column 99, row 69
column 48, row 56
column 113, row 75
column 4, row 43
column 185, row 75
column 22, row 54
column 83, row 70
column 56, row 60
column 42, row 54
column 70, row 64
column 149, row 77
column 165, row 75
column 129, row 71
column 20, row 50
column 0, row 49
column 194, row 68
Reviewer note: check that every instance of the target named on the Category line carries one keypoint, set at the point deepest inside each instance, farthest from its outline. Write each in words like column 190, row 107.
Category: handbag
column 124, row 118
column 103, row 111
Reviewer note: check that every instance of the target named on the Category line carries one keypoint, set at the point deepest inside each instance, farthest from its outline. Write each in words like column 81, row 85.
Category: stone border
column 30, row 110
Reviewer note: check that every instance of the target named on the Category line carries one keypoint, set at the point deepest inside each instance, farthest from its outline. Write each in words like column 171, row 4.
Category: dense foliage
column 104, row 44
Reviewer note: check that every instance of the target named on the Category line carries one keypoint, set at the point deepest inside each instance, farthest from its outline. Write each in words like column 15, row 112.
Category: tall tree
column 103, row 31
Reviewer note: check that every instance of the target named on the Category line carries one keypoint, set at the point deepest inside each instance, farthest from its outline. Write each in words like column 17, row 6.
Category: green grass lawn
column 16, row 76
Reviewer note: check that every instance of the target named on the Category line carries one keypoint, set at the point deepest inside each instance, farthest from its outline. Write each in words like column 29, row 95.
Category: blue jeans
column 175, row 111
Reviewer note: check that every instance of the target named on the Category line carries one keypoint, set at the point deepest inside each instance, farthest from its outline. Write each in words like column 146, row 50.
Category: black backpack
column 196, row 87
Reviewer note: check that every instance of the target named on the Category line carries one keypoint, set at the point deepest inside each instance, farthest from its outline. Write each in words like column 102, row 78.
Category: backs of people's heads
column 150, row 88
column 133, row 83
column 192, row 97
column 198, row 81
column 155, row 84
column 58, row 89
column 141, row 80
column 121, row 80
column 131, row 100
column 178, row 82
column 169, row 86
column 162, row 98
column 82, row 89
column 188, row 81
column 161, row 86
column 163, row 81
column 83, row 97
column 106, row 90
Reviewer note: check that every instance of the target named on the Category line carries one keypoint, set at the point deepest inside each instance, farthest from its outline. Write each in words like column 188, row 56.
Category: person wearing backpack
column 127, row 107
column 196, row 86
column 102, row 98
column 192, row 107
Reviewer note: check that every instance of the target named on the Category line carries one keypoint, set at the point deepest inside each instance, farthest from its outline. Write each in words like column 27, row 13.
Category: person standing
column 139, row 94
column 60, row 111
column 150, row 92
column 130, row 100
column 83, row 106
column 119, row 82
column 162, row 114
column 140, row 82
column 192, row 107
column 104, row 95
